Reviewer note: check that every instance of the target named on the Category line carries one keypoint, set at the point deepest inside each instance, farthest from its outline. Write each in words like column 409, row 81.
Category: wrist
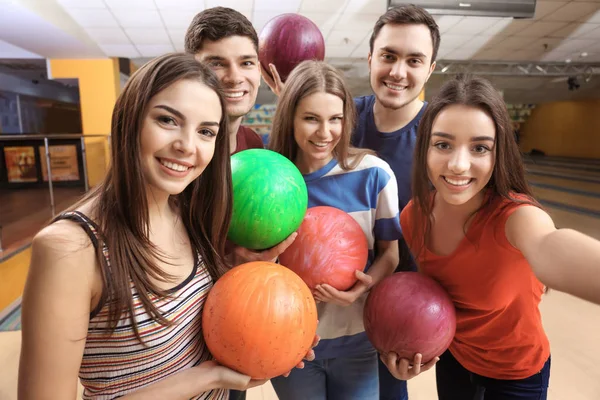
column 207, row 376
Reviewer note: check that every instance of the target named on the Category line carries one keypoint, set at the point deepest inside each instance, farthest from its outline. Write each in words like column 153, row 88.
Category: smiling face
column 178, row 136
column 400, row 63
column 318, row 126
column 235, row 61
column 461, row 153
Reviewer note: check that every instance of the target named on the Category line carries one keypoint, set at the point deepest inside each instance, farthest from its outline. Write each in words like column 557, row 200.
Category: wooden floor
column 570, row 191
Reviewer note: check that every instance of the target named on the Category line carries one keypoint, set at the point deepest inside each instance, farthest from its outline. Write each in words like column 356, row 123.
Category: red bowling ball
column 329, row 248
column 410, row 313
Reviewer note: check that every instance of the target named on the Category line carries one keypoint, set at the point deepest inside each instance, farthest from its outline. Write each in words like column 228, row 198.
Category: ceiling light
column 568, row 60
column 464, row 4
column 584, row 54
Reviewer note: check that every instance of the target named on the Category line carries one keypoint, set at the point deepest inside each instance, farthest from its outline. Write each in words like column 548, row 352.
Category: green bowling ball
column 269, row 199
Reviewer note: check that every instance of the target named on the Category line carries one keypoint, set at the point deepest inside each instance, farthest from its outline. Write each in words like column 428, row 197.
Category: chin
column 238, row 110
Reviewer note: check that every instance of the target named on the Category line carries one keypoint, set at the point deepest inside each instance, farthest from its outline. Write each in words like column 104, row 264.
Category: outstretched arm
column 562, row 259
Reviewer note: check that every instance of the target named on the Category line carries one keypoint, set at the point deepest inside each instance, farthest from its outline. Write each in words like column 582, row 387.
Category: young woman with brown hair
column 117, row 284
column 474, row 226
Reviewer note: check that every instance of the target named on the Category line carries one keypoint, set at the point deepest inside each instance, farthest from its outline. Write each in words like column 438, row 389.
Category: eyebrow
column 317, row 115
column 473, row 139
column 219, row 58
column 394, row 51
column 182, row 117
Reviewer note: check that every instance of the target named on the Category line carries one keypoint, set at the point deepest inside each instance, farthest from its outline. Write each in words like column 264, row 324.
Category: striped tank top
column 113, row 366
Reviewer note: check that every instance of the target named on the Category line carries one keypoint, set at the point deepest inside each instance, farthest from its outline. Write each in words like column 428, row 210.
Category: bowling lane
column 568, row 184
column 563, row 173
column 577, row 202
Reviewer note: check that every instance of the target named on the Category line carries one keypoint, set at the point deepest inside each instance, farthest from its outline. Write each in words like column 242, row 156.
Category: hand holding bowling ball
column 287, row 40
column 403, row 368
column 328, row 294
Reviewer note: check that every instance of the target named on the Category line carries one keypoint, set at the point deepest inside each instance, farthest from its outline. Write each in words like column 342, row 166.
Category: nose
column 460, row 161
column 233, row 76
column 324, row 130
column 184, row 143
column 398, row 70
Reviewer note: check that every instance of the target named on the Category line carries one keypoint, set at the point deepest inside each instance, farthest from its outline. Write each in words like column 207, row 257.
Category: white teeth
column 318, row 144
column 455, row 182
column 173, row 166
column 234, row 95
column 394, row 87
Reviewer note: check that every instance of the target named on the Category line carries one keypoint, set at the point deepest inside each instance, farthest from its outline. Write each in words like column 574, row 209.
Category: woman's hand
column 401, row 368
column 329, row 294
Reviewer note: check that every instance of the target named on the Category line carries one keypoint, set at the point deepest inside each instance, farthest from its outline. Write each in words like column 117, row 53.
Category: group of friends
column 117, row 282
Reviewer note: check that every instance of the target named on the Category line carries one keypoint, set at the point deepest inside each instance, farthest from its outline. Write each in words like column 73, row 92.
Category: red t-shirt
column 247, row 139
column 499, row 332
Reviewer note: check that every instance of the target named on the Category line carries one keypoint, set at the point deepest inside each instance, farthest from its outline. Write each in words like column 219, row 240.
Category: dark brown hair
column 405, row 15
column 215, row 24
column 307, row 78
column 121, row 207
column 508, row 176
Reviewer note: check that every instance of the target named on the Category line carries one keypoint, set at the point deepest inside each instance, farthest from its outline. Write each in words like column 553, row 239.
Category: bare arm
column 384, row 264
column 193, row 381
column 56, row 309
column 562, row 259
column 60, row 291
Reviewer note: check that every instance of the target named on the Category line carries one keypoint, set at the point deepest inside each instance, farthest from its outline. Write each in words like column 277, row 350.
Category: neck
column 234, row 125
column 390, row 120
column 159, row 209
column 460, row 212
column 307, row 166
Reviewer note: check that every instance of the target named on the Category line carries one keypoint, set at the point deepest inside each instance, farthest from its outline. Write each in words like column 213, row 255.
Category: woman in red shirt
column 474, row 227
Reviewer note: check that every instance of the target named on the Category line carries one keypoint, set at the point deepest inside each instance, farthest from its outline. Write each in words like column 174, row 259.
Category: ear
column 369, row 57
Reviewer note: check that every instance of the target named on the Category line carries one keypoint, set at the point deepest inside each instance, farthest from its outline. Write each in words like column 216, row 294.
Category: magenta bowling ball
column 410, row 313
column 287, row 40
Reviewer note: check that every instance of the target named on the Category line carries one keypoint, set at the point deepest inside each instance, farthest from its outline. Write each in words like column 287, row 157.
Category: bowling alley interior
column 64, row 63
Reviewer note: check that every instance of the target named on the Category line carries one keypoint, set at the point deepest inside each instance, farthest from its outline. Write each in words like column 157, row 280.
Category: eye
column 442, row 145
column 481, row 149
column 337, row 119
column 165, row 119
column 310, row 118
column 388, row 57
column 415, row 61
column 207, row 132
column 215, row 64
column 248, row 63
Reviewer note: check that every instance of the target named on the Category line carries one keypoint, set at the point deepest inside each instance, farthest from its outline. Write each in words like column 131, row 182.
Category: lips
column 320, row 144
column 178, row 166
column 396, row 87
column 458, row 182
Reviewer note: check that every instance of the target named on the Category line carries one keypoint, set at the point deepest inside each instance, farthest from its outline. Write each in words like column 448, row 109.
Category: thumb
column 363, row 278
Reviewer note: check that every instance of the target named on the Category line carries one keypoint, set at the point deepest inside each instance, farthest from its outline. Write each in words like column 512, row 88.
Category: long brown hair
column 121, row 206
column 307, row 78
column 508, row 176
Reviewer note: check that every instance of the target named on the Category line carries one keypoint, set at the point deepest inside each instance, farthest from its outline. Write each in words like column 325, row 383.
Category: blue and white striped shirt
column 369, row 194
